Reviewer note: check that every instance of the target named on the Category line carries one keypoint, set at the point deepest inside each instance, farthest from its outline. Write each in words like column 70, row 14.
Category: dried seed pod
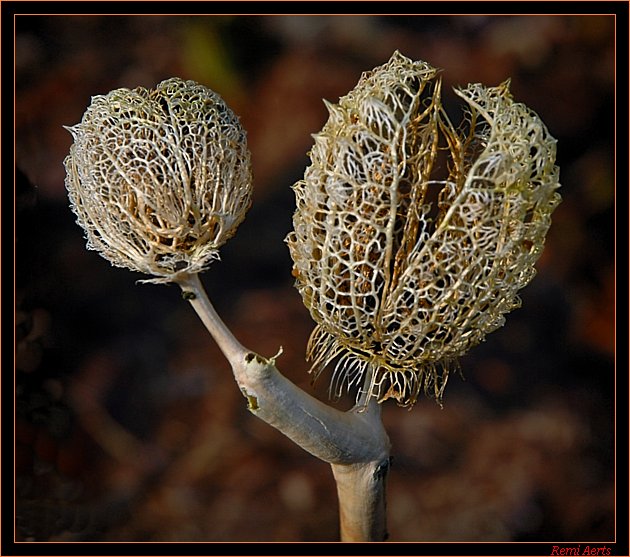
column 159, row 179
column 411, row 238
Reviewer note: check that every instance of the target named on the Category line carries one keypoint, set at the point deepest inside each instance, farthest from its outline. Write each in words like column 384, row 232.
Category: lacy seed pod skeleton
column 411, row 240
column 159, row 179
column 403, row 269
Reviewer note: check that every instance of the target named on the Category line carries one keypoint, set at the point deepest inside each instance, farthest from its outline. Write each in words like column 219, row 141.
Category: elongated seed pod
column 412, row 238
column 159, row 179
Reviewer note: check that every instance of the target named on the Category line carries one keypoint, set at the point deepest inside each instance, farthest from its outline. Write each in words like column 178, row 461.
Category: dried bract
column 159, row 179
column 412, row 238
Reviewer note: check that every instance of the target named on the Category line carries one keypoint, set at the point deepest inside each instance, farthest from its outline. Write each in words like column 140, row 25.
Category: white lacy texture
column 159, row 179
column 412, row 239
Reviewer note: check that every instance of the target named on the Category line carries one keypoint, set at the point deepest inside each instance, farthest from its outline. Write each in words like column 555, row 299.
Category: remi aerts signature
column 580, row 550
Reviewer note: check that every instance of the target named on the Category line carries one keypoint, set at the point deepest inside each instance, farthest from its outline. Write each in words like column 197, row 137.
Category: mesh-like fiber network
column 412, row 238
column 159, row 179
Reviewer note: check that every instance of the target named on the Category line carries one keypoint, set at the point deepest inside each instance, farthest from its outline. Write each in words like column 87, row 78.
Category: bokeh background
column 129, row 425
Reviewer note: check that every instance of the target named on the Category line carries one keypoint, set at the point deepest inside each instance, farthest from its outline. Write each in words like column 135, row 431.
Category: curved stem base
column 355, row 443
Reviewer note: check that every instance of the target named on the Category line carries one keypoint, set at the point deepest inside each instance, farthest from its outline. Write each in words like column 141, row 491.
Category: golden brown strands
column 404, row 261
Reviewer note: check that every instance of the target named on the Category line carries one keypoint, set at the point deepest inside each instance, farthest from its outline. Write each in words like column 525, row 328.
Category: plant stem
column 355, row 443
column 361, row 493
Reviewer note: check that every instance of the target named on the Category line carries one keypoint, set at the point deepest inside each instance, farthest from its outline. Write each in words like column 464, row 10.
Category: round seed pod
column 159, row 179
column 412, row 238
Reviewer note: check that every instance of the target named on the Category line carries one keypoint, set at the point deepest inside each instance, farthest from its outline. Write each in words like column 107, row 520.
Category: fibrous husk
column 159, row 179
column 412, row 238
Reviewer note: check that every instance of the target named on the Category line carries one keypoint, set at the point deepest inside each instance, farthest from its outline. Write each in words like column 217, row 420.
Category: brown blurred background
column 129, row 424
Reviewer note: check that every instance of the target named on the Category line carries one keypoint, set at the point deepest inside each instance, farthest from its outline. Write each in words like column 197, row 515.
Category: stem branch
column 355, row 443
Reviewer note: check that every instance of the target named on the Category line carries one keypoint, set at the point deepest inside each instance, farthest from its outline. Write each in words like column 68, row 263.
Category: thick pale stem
column 361, row 493
column 354, row 443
